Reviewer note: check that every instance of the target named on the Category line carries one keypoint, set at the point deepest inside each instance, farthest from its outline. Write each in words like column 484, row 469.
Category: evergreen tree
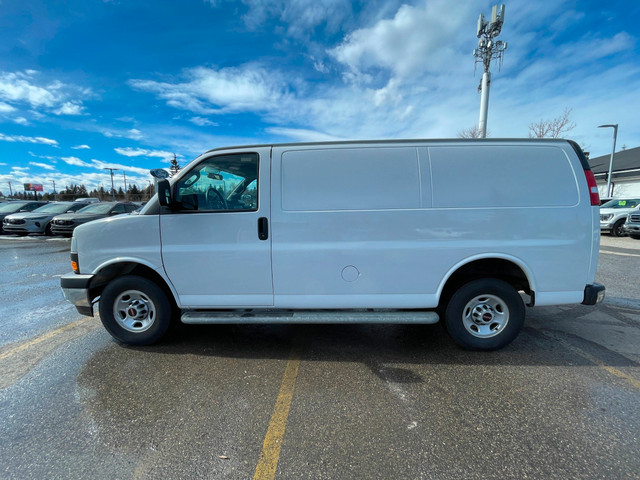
column 175, row 166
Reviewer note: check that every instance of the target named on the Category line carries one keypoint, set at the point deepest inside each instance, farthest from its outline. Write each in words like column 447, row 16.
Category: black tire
column 145, row 312
column 635, row 237
column 47, row 230
column 485, row 314
column 618, row 229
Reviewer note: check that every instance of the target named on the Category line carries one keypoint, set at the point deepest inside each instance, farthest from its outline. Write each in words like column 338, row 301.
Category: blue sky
column 126, row 84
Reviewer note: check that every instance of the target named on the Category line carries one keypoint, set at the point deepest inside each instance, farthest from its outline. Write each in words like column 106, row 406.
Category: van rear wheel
column 135, row 310
column 485, row 314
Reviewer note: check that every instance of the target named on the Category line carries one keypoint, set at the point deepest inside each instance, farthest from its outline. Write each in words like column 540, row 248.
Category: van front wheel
column 485, row 314
column 134, row 310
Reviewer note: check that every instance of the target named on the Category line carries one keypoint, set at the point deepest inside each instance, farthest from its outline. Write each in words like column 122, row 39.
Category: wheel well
column 108, row 273
column 485, row 268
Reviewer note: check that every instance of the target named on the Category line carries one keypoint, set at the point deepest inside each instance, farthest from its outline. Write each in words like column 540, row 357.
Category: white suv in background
column 614, row 213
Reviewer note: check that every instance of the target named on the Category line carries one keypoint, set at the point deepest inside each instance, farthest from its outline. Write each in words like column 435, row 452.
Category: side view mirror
column 164, row 193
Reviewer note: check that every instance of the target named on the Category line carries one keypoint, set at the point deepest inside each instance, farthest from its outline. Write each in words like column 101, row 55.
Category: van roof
column 396, row 141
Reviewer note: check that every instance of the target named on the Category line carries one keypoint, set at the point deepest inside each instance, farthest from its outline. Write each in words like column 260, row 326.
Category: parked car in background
column 39, row 220
column 614, row 213
column 632, row 225
column 18, row 206
column 88, row 200
column 66, row 223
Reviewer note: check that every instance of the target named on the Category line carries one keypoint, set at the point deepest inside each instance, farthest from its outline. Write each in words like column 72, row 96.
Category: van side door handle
column 263, row 228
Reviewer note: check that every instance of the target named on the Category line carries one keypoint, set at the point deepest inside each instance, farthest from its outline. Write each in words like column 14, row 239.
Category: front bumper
column 606, row 225
column 632, row 228
column 23, row 228
column 593, row 293
column 76, row 289
column 62, row 229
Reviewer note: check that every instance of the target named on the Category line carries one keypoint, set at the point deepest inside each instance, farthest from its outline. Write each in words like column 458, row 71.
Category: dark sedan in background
column 66, row 223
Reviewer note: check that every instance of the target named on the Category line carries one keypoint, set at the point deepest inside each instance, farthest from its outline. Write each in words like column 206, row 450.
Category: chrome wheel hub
column 134, row 311
column 485, row 316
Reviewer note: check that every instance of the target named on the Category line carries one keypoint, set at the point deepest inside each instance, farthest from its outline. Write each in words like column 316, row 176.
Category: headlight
column 607, row 217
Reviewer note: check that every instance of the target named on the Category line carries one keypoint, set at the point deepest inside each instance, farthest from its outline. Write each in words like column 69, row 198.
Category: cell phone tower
column 487, row 50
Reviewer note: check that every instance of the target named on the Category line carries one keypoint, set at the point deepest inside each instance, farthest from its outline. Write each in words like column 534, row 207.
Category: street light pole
column 113, row 190
column 613, row 151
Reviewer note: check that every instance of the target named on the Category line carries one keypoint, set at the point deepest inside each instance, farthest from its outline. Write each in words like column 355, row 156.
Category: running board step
column 309, row 316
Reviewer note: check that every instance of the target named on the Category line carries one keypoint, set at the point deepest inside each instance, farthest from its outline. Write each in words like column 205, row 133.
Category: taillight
column 593, row 188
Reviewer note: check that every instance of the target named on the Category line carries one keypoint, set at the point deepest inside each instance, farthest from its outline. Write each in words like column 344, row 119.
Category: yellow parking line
column 42, row 338
column 601, row 364
column 598, row 362
column 268, row 462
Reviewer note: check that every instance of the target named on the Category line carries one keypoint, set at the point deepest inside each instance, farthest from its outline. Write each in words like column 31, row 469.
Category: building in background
column 626, row 173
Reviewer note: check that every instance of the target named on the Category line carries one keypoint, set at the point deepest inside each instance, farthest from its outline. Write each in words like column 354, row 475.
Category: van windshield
column 621, row 203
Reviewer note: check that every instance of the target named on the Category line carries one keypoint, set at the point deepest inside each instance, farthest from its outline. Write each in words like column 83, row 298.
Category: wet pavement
column 364, row 401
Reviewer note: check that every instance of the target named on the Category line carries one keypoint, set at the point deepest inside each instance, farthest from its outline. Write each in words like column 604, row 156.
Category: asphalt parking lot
column 311, row 401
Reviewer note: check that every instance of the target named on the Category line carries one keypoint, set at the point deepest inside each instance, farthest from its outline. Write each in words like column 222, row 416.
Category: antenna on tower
column 487, row 50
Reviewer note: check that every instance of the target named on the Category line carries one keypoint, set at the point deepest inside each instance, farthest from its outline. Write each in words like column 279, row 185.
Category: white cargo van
column 374, row 231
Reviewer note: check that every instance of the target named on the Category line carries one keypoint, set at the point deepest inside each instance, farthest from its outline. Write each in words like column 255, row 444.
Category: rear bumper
column 75, row 289
column 593, row 293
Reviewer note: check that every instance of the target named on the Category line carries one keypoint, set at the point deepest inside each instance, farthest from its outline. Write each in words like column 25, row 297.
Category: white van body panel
column 337, row 244
column 133, row 238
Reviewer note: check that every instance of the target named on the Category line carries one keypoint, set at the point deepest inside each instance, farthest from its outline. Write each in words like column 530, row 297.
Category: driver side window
column 221, row 183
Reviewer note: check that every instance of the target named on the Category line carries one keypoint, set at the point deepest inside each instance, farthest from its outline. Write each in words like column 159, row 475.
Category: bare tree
column 552, row 128
column 471, row 132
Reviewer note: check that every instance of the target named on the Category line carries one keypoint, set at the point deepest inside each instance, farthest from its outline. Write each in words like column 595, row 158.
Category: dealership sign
column 33, row 187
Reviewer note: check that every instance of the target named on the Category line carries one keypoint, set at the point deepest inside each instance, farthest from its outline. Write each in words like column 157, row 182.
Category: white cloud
column 21, row 121
column 23, row 139
column 209, row 91
column 27, row 88
column 127, row 168
column 76, row 162
column 81, row 147
column 6, row 108
column 142, row 152
column 133, row 133
column 42, row 165
column 299, row 16
column 203, row 122
column 69, row 108
column 416, row 40
column 45, row 157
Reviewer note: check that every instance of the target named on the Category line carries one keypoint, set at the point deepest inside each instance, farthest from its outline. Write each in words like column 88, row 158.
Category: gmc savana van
column 376, row 231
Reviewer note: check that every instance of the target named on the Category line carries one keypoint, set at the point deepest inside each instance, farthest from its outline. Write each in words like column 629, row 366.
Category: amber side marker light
column 74, row 263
